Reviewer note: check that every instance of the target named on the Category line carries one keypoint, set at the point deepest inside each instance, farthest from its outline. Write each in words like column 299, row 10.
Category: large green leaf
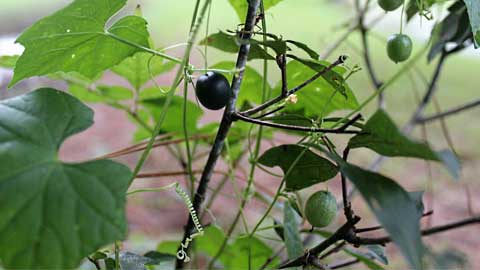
column 231, row 44
column 291, row 234
column 75, row 39
column 394, row 208
column 318, row 96
column 252, row 84
column 473, row 7
column 241, row 6
column 52, row 214
column 310, row 169
column 141, row 67
column 381, row 135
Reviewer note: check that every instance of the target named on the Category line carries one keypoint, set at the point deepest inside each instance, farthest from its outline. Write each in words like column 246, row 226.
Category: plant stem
column 269, row 103
column 467, row 106
column 226, row 121
column 171, row 93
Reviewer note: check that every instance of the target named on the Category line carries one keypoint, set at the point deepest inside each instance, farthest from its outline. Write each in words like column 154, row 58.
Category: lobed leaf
column 141, row 67
column 53, row 214
column 75, row 39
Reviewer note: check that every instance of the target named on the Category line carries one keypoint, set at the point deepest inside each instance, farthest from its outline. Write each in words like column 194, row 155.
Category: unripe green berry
column 399, row 47
column 321, row 209
column 390, row 5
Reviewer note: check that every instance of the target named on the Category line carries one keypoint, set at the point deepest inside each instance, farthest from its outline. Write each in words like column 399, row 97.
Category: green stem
column 185, row 134
column 171, row 93
column 384, row 86
column 143, row 48
column 277, row 194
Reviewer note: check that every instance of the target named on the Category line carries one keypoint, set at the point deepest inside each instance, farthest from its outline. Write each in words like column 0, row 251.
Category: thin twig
column 374, row 228
column 142, row 146
column 438, row 229
column 173, row 173
column 467, row 106
column 333, row 250
column 344, row 263
column 340, row 234
column 347, row 207
column 269, row 112
column 275, row 100
column 340, row 130
column 282, row 64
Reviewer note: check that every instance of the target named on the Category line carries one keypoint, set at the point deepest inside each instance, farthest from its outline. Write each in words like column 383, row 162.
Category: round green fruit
column 390, row 5
column 321, row 209
column 399, row 47
column 213, row 90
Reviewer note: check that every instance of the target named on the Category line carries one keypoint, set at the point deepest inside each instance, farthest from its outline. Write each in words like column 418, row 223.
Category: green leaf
column 393, row 207
column 313, row 54
column 241, row 6
column 237, row 256
column 333, row 77
column 451, row 162
column 168, row 247
column 417, row 197
column 104, row 94
column 252, row 84
column 209, row 243
column 365, row 258
column 141, row 67
column 473, row 7
column 173, row 118
column 231, row 44
column 381, row 135
column 8, row 61
column 454, row 28
column 53, row 214
column 75, row 39
column 319, row 95
column 378, row 252
column 309, row 170
column 293, row 242
column 449, row 259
